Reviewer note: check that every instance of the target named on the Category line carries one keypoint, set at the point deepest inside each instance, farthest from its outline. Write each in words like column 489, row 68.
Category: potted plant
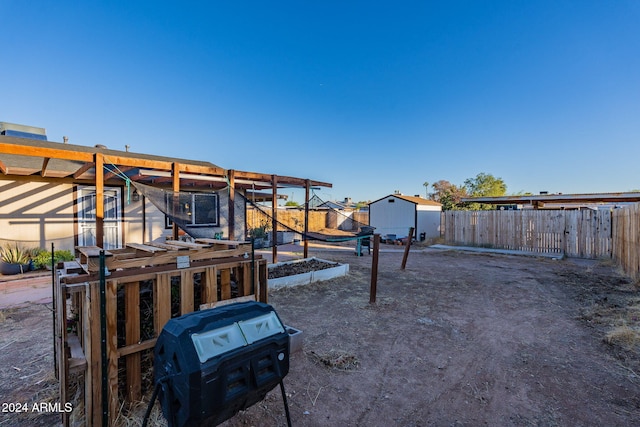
column 14, row 260
column 260, row 236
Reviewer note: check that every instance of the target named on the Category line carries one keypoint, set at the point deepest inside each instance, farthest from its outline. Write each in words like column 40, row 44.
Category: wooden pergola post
column 306, row 218
column 274, row 216
column 232, row 204
column 175, row 173
column 99, row 161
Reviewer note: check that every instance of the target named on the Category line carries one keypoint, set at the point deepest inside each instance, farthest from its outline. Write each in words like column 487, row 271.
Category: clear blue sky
column 370, row 96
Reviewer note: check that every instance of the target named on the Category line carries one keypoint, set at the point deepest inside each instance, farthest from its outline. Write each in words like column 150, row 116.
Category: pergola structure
column 53, row 161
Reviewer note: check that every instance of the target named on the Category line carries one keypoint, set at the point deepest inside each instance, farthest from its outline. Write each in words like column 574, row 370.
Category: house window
column 112, row 220
column 195, row 209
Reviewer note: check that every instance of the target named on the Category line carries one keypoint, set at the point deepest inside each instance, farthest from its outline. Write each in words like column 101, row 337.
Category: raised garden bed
column 304, row 271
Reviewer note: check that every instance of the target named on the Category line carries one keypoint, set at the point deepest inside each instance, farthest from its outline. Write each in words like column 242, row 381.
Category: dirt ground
column 455, row 339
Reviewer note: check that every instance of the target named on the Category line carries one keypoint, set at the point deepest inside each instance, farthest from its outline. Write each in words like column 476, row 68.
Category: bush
column 43, row 259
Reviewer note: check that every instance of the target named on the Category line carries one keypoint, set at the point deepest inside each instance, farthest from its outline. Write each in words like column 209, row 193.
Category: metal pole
column 53, row 300
column 103, row 342
column 374, row 269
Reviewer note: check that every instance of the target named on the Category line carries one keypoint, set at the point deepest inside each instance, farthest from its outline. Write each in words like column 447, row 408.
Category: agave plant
column 14, row 254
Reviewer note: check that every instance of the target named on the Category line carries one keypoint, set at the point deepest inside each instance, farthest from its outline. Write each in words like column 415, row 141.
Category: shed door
column 87, row 217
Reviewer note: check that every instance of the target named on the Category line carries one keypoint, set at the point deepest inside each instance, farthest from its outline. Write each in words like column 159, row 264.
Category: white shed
column 395, row 214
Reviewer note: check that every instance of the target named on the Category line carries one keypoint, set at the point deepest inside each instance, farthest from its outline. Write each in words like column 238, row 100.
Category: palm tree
column 426, row 189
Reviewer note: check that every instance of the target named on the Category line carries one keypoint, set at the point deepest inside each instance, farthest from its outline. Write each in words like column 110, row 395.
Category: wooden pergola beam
column 284, row 180
column 137, row 162
column 53, row 153
column 83, row 169
column 163, row 165
column 45, row 163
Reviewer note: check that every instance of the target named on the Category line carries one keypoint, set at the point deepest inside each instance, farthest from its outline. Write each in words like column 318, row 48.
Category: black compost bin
column 213, row 363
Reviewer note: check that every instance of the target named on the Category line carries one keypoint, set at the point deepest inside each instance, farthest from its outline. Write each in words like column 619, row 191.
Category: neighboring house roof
column 335, row 205
column 559, row 200
column 413, row 199
column 315, row 201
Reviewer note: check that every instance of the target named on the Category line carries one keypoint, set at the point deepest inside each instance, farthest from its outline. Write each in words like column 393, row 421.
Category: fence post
column 374, row 269
column 406, row 249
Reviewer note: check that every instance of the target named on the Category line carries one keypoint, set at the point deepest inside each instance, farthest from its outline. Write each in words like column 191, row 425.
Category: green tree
column 291, row 203
column 484, row 185
column 448, row 194
column 426, row 188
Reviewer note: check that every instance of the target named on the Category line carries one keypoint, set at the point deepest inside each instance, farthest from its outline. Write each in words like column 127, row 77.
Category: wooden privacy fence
column 575, row 233
column 626, row 239
column 147, row 285
column 318, row 219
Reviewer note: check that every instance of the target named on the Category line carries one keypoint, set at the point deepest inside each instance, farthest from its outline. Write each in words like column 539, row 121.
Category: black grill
column 213, row 363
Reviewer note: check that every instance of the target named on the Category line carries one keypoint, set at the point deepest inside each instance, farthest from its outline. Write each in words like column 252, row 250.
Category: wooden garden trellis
column 204, row 272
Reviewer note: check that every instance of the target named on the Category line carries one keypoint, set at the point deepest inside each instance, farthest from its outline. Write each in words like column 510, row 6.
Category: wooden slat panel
column 219, row 262
column 77, row 362
column 166, row 246
column 256, row 279
column 132, row 336
column 162, row 301
column 246, row 279
column 186, row 292
column 145, row 248
column 188, row 244
column 263, row 273
column 112, row 346
column 93, row 391
column 210, row 285
column 136, row 348
column 170, row 257
column 225, row 283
